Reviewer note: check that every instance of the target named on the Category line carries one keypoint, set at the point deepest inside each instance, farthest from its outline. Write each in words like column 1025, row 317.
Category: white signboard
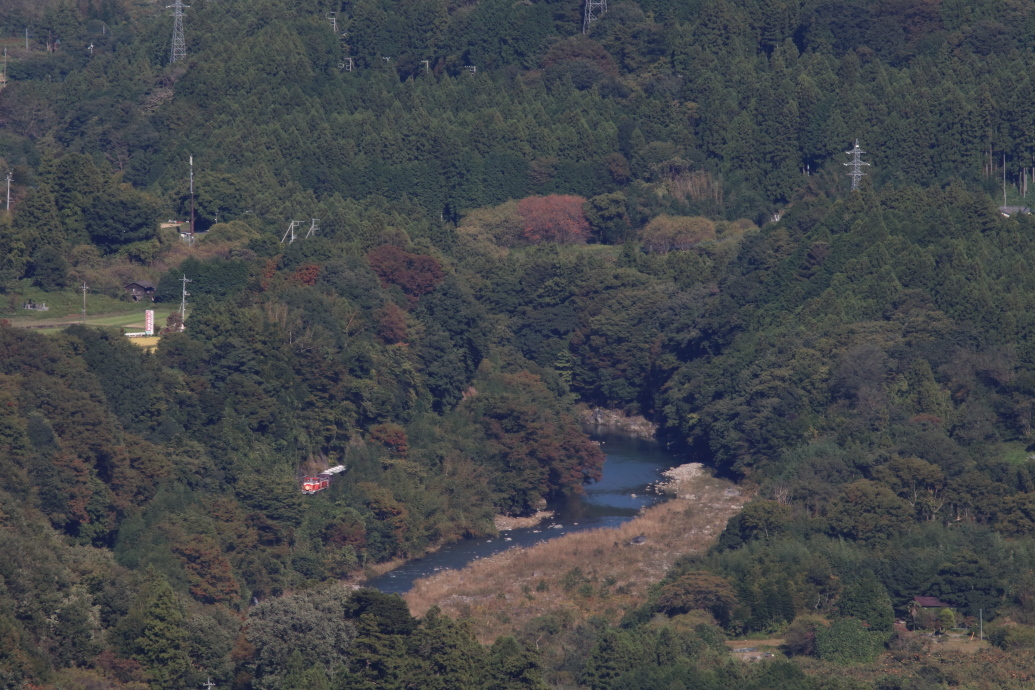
column 149, row 322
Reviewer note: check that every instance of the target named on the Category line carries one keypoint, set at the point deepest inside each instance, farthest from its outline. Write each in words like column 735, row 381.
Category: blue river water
column 631, row 465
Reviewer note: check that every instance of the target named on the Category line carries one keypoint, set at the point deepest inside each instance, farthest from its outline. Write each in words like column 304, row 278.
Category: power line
column 855, row 165
column 179, row 45
column 593, row 10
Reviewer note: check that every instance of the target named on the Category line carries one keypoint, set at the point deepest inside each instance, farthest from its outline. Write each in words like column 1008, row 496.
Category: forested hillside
column 510, row 218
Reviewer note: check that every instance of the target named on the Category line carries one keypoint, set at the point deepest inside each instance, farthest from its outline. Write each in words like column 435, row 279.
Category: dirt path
column 501, row 593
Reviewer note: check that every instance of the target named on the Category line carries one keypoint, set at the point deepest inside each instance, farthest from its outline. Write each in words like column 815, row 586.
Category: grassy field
column 127, row 322
column 62, row 304
column 598, row 572
column 64, row 309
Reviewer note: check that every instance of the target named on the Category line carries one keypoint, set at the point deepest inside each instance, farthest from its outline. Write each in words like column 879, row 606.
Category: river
column 631, row 465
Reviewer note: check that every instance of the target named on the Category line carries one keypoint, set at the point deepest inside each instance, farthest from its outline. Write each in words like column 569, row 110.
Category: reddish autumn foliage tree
column 415, row 274
column 554, row 218
column 537, row 448
column 209, row 572
column 268, row 271
column 391, row 324
column 349, row 530
column 392, row 436
column 307, row 274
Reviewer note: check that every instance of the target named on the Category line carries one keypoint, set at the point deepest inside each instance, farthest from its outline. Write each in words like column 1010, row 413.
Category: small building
column 926, row 608
column 929, row 603
column 140, row 290
column 1008, row 211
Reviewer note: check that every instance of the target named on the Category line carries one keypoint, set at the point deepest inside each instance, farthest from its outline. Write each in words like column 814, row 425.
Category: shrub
column 699, row 590
column 667, row 233
column 847, row 642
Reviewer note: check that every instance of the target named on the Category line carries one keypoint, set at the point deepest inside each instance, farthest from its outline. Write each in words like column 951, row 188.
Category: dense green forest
column 513, row 218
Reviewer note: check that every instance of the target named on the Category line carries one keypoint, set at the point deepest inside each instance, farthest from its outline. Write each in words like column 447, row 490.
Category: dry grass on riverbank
column 501, row 593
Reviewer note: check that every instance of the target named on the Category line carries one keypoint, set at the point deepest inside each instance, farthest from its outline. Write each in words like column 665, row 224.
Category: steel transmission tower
column 855, row 165
column 593, row 10
column 179, row 46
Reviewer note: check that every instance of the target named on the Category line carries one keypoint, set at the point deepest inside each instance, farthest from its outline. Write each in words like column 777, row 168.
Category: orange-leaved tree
column 554, row 218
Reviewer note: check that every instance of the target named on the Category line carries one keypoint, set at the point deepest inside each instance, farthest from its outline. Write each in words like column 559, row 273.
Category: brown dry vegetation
column 501, row 593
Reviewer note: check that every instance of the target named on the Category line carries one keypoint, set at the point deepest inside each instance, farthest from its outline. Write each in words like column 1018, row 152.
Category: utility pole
column 291, row 231
column 179, row 45
column 1004, row 179
column 9, row 175
column 26, row 38
column 981, row 618
column 334, row 22
column 84, row 288
column 191, row 243
column 183, row 301
column 313, row 227
column 592, row 12
column 208, row 685
column 855, row 165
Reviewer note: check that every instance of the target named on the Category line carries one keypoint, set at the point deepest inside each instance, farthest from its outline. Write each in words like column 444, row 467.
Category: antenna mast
column 592, row 12
column 179, row 46
column 183, row 301
column 855, row 165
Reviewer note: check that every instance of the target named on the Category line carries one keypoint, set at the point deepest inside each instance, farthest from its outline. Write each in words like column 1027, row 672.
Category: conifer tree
column 162, row 646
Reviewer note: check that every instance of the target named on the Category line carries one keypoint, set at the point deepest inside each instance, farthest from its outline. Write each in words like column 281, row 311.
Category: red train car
column 310, row 485
column 313, row 483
